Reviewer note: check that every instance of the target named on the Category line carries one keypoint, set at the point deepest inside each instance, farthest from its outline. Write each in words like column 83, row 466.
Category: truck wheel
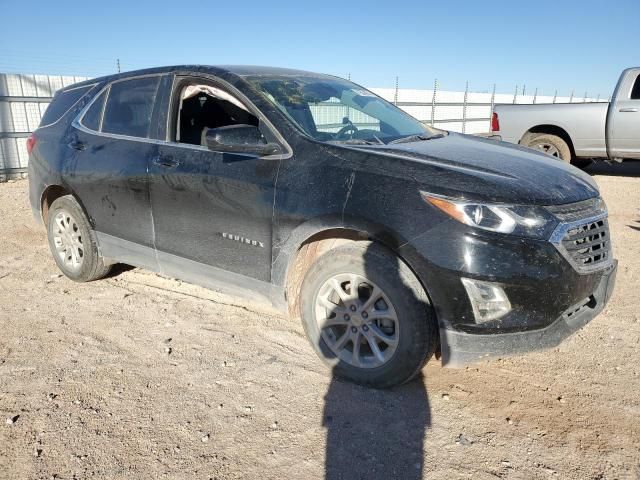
column 367, row 315
column 551, row 145
column 73, row 242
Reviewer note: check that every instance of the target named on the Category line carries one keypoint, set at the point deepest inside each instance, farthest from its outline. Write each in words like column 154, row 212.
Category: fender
column 541, row 127
column 62, row 184
column 285, row 252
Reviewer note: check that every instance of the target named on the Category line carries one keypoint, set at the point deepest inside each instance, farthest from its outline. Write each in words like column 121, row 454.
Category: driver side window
column 201, row 107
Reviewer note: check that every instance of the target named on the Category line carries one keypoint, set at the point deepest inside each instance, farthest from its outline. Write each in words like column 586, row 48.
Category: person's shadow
column 375, row 434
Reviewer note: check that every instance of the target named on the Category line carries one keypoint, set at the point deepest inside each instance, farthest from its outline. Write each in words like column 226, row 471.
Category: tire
column 73, row 242
column 412, row 336
column 549, row 144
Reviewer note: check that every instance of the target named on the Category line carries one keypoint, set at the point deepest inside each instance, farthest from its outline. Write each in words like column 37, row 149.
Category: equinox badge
column 241, row 239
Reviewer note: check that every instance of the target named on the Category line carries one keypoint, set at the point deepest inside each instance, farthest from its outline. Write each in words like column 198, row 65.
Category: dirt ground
column 139, row 376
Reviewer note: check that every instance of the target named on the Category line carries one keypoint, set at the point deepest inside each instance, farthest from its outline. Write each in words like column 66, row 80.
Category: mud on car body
column 390, row 240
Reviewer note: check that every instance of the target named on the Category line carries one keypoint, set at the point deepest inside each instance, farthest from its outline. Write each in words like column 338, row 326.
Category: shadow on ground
column 628, row 168
column 375, row 434
column 118, row 269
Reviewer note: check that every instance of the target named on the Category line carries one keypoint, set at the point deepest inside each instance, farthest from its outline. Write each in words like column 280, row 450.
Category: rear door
column 624, row 121
column 112, row 143
column 211, row 208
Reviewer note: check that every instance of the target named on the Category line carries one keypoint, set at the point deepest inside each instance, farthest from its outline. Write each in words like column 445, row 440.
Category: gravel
column 241, row 365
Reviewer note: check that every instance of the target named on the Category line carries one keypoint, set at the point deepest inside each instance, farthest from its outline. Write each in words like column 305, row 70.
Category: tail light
column 495, row 122
column 31, row 143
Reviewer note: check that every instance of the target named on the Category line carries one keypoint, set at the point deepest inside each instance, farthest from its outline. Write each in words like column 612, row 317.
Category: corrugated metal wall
column 23, row 100
column 450, row 111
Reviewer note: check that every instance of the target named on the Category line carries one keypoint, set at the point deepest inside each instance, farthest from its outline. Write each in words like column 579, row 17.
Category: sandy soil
column 138, row 376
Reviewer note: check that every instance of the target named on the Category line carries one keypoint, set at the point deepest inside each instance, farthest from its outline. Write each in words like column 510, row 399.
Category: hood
column 473, row 168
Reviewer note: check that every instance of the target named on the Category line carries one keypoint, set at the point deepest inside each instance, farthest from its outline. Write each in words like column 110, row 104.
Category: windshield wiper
column 415, row 138
column 356, row 141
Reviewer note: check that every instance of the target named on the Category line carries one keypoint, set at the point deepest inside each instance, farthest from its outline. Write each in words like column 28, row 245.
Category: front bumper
column 460, row 348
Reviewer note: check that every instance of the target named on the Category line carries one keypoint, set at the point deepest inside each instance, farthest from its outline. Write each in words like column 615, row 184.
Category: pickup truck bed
column 574, row 131
column 583, row 123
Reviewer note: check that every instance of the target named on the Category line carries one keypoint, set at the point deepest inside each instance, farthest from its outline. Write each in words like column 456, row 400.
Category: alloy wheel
column 548, row 148
column 67, row 238
column 357, row 321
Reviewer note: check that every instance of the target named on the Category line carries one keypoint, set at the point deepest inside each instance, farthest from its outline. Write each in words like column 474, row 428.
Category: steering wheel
column 349, row 127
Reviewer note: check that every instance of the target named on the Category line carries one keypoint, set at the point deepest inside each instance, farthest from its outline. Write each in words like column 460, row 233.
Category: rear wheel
column 367, row 315
column 550, row 144
column 73, row 243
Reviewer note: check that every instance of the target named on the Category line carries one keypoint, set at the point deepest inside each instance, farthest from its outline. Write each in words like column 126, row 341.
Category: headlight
column 522, row 220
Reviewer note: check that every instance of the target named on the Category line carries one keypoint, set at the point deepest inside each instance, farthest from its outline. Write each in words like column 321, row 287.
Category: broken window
column 203, row 107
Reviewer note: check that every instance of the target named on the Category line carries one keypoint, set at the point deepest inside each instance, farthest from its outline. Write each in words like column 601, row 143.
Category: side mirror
column 239, row 139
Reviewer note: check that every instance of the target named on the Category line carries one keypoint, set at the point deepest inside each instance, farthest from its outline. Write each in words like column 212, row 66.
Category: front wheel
column 367, row 315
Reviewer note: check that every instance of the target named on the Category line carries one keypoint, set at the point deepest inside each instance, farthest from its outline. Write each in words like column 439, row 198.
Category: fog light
column 487, row 299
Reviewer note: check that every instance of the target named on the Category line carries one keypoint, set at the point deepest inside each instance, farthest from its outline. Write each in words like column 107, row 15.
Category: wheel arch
column 319, row 235
column 551, row 130
column 54, row 191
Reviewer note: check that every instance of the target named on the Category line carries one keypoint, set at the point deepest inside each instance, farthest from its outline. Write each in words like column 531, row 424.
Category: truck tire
column 367, row 315
column 73, row 242
column 549, row 144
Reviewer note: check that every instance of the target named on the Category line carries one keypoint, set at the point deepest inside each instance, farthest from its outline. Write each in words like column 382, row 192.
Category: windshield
column 335, row 110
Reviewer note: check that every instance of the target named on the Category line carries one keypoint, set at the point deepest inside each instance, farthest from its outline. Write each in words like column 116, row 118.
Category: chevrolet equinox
column 390, row 240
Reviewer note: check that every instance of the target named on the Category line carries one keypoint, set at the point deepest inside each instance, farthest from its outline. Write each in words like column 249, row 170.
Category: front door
column 625, row 128
column 212, row 208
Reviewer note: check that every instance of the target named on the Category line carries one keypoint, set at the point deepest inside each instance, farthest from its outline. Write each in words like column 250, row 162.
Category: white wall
column 444, row 112
column 18, row 116
column 24, row 116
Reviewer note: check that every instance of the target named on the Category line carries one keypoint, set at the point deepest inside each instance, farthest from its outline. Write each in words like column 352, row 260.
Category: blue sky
column 563, row 45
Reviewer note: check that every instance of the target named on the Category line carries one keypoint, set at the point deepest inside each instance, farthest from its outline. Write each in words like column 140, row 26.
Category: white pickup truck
column 578, row 132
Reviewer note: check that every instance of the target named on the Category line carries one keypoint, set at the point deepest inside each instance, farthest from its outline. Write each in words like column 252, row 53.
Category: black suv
column 391, row 240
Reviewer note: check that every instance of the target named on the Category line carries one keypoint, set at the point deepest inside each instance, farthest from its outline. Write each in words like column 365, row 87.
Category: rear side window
column 62, row 103
column 93, row 116
column 129, row 107
column 635, row 91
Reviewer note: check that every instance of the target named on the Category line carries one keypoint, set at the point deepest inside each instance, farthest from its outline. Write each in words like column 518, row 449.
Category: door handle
column 628, row 110
column 168, row 162
column 76, row 145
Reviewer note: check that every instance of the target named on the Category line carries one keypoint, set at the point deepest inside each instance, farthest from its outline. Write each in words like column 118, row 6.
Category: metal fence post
column 395, row 96
column 585, row 98
column 515, row 95
column 535, row 96
column 571, row 97
column 433, row 102
column 493, row 104
column 555, row 96
column 464, row 107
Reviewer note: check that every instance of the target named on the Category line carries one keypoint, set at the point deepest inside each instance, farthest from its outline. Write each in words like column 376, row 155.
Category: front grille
column 583, row 234
column 576, row 211
column 588, row 244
